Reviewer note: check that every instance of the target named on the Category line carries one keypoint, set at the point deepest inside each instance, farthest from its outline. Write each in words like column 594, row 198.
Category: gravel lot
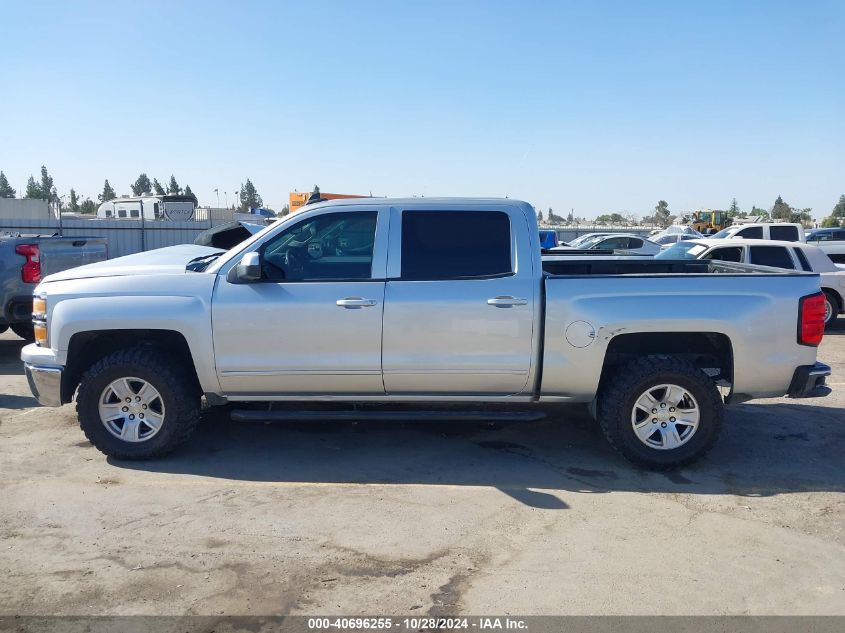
column 374, row 518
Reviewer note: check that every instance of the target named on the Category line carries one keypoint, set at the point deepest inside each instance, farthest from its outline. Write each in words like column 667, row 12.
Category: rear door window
column 727, row 254
column 634, row 242
column 440, row 245
column 751, row 233
column 776, row 256
column 785, row 233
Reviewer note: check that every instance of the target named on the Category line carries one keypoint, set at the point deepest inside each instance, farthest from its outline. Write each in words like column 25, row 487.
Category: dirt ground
column 378, row 518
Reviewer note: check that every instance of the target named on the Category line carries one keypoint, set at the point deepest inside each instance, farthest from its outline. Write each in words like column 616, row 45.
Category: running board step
column 251, row 415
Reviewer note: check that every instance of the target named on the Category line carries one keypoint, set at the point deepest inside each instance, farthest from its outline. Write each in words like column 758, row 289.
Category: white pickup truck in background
column 384, row 301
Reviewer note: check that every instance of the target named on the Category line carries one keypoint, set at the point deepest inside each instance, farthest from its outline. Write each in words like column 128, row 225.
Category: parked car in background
column 788, row 232
column 386, row 301
column 576, row 243
column 831, row 241
column 26, row 260
column 774, row 253
column 619, row 243
column 665, row 240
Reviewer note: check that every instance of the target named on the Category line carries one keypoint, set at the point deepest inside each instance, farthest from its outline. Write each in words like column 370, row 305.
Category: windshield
column 723, row 233
column 584, row 238
column 665, row 239
column 682, row 250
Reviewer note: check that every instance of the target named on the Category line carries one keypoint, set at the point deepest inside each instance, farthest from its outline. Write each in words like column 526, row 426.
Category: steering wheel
column 294, row 260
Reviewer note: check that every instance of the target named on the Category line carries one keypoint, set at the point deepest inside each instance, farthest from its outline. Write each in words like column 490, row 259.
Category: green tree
column 190, row 193
column 157, row 188
column 758, row 212
column 733, row 210
column 173, row 187
column 831, row 222
column 33, row 190
column 74, row 201
column 108, row 192
column 88, row 206
column 249, row 199
column 539, row 217
column 6, row 190
column 662, row 216
column 142, row 185
column 781, row 210
column 838, row 212
column 285, row 211
column 616, row 218
column 570, row 218
column 48, row 191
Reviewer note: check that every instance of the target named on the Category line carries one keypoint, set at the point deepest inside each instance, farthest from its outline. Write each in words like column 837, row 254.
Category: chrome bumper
column 45, row 384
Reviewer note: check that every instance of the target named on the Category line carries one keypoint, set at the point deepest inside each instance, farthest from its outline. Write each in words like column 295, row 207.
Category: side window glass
column 785, row 233
column 732, row 254
column 439, row 245
column 333, row 246
column 776, row 256
column 634, row 242
column 752, row 233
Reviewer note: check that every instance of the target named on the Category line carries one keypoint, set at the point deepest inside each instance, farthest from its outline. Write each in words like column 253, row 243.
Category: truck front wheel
column 660, row 412
column 135, row 404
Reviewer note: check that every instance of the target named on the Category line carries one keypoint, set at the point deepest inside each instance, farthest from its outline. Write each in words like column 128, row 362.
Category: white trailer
column 150, row 207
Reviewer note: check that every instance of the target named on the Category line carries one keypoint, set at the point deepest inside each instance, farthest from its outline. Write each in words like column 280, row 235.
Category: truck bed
column 623, row 265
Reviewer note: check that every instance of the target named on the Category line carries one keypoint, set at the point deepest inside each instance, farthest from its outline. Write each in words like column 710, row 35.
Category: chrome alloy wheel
column 665, row 417
column 131, row 409
column 828, row 309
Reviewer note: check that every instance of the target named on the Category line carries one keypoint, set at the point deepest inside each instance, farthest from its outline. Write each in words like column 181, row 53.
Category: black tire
column 179, row 393
column 25, row 330
column 833, row 300
column 3, row 328
column 628, row 382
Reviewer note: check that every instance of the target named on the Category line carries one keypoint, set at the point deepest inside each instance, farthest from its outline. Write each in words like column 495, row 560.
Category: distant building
column 299, row 200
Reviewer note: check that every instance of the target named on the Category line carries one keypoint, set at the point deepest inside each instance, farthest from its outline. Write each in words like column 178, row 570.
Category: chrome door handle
column 506, row 302
column 355, row 302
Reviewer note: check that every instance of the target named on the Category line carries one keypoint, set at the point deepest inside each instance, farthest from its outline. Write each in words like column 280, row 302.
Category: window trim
column 802, row 259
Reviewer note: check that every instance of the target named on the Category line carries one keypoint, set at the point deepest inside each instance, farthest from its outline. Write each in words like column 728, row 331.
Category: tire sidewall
column 708, row 425
column 89, row 415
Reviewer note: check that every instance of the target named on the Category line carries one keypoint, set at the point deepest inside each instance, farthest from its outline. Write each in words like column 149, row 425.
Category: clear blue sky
column 599, row 107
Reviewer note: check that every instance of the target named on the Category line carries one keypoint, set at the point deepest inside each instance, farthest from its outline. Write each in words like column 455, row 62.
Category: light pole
column 226, row 194
column 218, row 198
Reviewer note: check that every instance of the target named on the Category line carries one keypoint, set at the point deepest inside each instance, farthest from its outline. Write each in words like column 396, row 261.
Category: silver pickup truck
column 386, row 301
column 25, row 259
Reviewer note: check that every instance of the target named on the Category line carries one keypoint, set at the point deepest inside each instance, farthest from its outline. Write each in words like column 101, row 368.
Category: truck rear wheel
column 135, row 404
column 831, row 308
column 660, row 412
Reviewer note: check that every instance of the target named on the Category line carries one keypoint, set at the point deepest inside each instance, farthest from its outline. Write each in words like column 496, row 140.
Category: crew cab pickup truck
column 384, row 301
column 25, row 259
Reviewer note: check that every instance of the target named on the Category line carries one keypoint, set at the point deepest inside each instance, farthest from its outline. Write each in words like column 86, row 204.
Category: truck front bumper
column 45, row 384
column 43, row 373
column 808, row 381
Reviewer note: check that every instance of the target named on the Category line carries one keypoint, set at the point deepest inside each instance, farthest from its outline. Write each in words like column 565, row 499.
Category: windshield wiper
column 199, row 264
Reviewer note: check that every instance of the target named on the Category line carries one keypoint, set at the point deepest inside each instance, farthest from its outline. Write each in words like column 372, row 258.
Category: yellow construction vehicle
column 707, row 221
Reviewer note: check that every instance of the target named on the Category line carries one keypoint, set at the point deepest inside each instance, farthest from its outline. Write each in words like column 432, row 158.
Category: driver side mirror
column 249, row 268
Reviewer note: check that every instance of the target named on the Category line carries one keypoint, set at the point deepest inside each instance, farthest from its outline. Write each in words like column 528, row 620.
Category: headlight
column 39, row 319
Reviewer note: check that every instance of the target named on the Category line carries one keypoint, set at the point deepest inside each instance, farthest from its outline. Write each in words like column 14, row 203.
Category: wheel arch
column 706, row 350
column 88, row 347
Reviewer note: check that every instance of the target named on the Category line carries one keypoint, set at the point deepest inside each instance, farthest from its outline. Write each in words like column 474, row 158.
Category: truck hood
column 162, row 261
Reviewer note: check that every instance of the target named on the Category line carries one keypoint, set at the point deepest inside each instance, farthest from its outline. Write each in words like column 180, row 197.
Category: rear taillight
column 31, row 270
column 811, row 319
